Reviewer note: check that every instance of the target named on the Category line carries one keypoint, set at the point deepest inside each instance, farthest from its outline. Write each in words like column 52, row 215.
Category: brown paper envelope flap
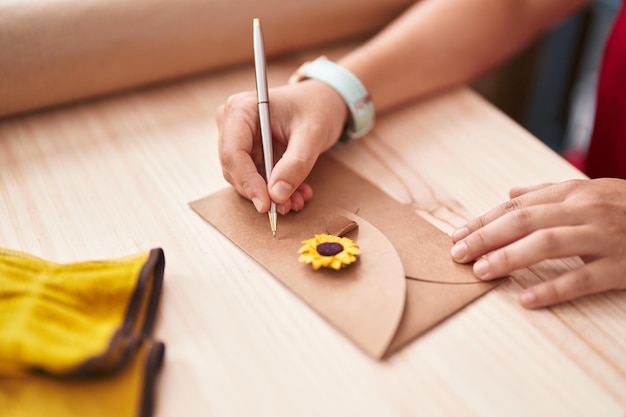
column 429, row 303
column 424, row 249
column 430, row 299
column 364, row 300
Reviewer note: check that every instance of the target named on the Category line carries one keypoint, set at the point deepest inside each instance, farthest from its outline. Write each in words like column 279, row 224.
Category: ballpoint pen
column 264, row 113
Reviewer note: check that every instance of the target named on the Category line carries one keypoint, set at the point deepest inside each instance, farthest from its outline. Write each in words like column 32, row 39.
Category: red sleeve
column 607, row 150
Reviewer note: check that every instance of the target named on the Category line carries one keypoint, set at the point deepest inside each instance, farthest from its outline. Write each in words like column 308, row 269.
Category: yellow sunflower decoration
column 328, row 251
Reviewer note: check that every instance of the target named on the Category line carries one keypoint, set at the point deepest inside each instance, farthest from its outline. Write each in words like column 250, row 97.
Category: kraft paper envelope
column 403, row 283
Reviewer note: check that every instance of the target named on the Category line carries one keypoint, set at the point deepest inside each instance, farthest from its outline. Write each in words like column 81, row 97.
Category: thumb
column 293, row 167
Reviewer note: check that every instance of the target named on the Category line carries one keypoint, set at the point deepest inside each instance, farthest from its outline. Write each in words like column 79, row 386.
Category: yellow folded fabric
column 126, row 393
column 62, row 323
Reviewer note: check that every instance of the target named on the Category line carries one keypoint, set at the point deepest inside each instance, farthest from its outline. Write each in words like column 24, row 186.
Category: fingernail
column 282, row 190
column 528, row 298
column 481, row 269
column 280, row 209
column 257, row 204
column 460, row 233
column 459, row 251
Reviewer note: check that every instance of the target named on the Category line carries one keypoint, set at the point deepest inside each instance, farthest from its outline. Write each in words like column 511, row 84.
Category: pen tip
column 256, row 22
column 272, row 216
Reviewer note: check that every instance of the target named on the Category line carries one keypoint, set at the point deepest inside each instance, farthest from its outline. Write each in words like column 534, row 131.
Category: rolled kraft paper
column 57, row 51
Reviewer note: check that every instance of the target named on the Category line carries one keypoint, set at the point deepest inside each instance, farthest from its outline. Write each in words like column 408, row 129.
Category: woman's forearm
column 440, row 43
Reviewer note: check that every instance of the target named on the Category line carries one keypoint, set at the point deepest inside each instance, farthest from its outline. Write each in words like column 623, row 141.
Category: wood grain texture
column 114, row 176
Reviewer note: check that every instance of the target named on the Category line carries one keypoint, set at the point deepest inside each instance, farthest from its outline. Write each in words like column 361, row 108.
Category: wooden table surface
column 114, row 176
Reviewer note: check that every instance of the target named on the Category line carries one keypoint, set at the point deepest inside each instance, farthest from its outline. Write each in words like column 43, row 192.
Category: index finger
column 238, row 131
column 536, row 195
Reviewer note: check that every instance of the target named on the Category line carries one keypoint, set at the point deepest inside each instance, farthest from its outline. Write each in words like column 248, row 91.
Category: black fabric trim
column 154, row 360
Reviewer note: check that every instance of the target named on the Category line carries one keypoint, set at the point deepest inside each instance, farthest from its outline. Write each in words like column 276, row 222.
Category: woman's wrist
column 357, row 101
column 332, row 107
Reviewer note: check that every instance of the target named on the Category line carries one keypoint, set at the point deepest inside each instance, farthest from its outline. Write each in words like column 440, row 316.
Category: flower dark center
column 329, row 248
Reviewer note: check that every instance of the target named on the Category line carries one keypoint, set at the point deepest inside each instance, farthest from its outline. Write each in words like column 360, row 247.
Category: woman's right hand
column 306, row 119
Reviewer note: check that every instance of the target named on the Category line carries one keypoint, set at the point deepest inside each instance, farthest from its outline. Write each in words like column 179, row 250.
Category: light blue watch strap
column 349, row 88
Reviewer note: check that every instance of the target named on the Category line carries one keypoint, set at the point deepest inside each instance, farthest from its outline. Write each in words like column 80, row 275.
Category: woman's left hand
column 585, row 218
